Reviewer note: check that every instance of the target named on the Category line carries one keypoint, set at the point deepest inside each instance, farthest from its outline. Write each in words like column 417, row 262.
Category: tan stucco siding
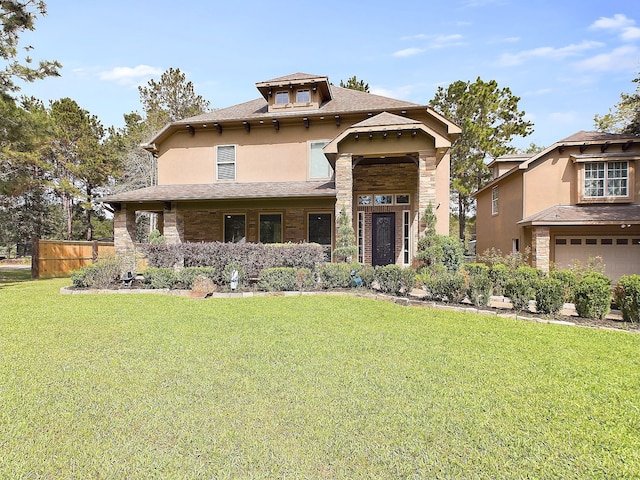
column 272, row 163
column 498, row 231
column 549, row 183
column 187, row 165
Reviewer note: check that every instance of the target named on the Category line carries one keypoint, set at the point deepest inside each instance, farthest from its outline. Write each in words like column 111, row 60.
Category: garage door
column 620, row 255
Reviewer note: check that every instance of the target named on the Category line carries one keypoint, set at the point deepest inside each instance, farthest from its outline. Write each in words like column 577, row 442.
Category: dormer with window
column 299, row 91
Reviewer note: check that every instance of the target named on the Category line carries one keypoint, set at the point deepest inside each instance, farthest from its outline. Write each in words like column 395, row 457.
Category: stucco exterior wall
column 498, row 231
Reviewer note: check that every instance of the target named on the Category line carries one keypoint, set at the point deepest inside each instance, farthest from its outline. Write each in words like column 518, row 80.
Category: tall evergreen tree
column 489, row 118
column 354, row 84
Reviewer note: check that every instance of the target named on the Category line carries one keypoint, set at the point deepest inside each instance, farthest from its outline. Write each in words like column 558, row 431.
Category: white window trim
column 406, row 239
column 605, row 179
column 234, row 163
column 361, row 236
column 275, row 100
column 495, row 196
column 300, row 91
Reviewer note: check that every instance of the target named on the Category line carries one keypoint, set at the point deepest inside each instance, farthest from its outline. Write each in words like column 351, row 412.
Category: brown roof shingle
column 585, row 215
column 225, row 191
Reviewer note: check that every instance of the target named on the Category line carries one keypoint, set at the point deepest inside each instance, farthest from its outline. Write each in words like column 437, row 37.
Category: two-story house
column 280, row 168
column 577, row 199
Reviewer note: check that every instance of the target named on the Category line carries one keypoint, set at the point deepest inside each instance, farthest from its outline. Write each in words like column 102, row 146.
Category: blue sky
column 567, row 59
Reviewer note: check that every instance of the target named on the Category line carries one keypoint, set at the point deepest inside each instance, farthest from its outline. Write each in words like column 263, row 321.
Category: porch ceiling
column 226, row 191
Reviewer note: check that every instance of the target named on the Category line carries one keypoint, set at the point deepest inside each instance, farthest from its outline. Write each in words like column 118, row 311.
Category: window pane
column 282, row 98
column 402, row 199
column 383, row 199
column 303, row 96
column 271, row 228
column 234, row 229
column 319, row 165
column 320, row 228
column 226, row 162
column 594, row 179
column 617, row 179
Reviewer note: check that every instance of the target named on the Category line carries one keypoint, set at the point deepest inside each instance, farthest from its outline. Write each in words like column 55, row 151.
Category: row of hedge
column 589, row 291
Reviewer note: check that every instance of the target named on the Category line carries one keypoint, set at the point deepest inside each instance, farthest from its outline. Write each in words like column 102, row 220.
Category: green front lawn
column 150, row 386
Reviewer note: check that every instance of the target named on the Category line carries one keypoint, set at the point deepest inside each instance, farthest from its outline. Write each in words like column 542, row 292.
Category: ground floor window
column 406, row 237
column 235, row 228
column 320, row 225
column 361, row 237
column 271, row 228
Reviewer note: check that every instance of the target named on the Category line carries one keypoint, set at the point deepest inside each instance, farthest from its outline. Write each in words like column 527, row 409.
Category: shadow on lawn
column 10, row 276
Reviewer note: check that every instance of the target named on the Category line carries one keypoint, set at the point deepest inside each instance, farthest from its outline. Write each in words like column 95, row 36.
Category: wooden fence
column 56, row 258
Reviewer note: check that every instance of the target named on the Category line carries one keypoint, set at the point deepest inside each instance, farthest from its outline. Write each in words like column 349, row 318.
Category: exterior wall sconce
column 337, row 117
column 218, row 127
column 305, row 120
column 247, row 126
column 191, row 130
column 276, row 124
column 357, row 136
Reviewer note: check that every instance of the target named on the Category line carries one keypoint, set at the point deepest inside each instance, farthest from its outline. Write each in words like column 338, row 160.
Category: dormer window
column 303, row 96
column 282, row 97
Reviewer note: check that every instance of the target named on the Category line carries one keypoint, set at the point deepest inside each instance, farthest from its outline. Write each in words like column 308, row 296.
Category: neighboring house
column 577, row 199
column 280, row 169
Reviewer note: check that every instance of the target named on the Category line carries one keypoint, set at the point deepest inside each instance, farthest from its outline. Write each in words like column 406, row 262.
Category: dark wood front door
column 383, row 239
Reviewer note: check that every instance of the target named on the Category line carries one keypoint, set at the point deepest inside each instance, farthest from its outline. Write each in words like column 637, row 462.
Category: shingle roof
column 584, row 136
column 292, row 77
column 344, row 101
column 385, row 119
column 225, row 191
column 585, row 215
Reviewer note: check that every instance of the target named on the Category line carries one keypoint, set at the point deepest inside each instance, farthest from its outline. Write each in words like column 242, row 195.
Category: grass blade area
column 135, row 386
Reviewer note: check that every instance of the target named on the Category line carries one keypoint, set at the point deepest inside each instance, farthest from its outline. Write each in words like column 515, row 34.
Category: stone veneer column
column 540, row 246
column 426, row 190
column 173, row 224
column 344, row 185
column 124, row 236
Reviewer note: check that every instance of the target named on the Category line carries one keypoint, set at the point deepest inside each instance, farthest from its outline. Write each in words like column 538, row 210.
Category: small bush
column 187, row 275
column 444, row 285
column 568, row 280
column 452, row 252
column 280, row 279
column 160, row 277
column 520, row 286
column 305, row 279
column 335, row 275
column 627, row 296
column 395, row 279
column 101, row 274
column 478, row 283
column 593, row 295
column 550, row 294
column 499, row 274
column 365, row 272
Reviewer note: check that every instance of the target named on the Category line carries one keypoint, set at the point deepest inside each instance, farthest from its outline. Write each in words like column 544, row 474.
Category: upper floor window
column 319, row 166
column 494, row 201
column 606, row 179
column 303, row 96
column 282, row 97
column 226, row 162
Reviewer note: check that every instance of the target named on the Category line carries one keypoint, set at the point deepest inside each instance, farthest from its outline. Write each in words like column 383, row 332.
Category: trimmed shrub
column 550, row 294
column 568, row 280
column 278, row 279
column 478, row 283
column 452, row 252
column 365, row 272
column 306, row 279
column 160, row 277
column 520, row 287
column 335, row 275
column 498, row 275
column 186, row 276
column 444, row 285
column 395, row 279
column 593, row 295
column 627, row 296
column 101, row 274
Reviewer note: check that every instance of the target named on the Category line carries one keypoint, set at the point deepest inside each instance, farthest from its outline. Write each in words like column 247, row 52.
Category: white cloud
column 408, row 52
column 623, row 58
column 513, row 59
column 129, row 75
column 619, row 24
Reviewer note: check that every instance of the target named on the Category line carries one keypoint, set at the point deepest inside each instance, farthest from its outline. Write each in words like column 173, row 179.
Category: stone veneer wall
column 540, row 248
